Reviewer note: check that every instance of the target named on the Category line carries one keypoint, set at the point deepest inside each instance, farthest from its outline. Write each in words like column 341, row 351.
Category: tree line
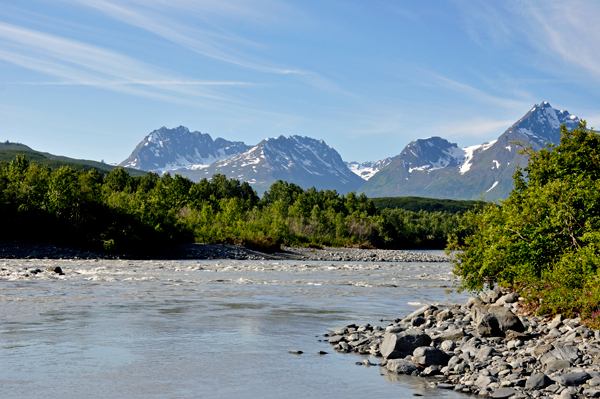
column 122, row 213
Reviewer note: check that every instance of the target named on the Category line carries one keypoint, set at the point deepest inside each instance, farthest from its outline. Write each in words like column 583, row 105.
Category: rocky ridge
column 483, row 348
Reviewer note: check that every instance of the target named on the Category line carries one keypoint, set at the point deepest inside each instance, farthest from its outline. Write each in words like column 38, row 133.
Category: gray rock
column 336, row 338
column 484, row 353
column 428, row 356
column 594, row 382
column 444, row 386
column 557, row 321
column 474, row 301
column 483, row 381
column 591, row 393
column 495, row 321
column 418, row 321
column 556, row 364
column 450, row 335
column 448, row 345
column 396, row 346
column 561, row 352
column 542, row 349
column 444, row 315
column 490, row 296
column 573, row 379
column 55, row 269
column 538, row 381
column 504, row 393
column 554, row 333
column 401, row 366
column 420, row 312
column 430, row 371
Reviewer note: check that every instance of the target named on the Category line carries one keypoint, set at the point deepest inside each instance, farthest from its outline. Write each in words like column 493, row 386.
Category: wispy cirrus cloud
column 154, row 16
column 77, row 63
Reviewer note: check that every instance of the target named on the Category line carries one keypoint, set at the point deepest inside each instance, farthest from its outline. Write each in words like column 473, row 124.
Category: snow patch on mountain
column 367, row 169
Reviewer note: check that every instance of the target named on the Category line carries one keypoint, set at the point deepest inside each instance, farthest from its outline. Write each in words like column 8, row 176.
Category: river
column 195, row 329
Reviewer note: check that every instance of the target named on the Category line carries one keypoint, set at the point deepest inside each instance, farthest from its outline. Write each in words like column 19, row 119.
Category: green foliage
column 117, row 212
column 417, row 204
column 544, row 240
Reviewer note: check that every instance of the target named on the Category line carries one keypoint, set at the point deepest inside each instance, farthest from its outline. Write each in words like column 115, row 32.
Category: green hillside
column 9, row 150
column 417, row 204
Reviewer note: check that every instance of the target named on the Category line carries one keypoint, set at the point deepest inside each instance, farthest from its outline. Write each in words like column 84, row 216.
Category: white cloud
column 76, row 63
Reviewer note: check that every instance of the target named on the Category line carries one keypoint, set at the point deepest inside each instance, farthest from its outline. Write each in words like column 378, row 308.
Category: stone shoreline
column 22, row 250
column 483, row 348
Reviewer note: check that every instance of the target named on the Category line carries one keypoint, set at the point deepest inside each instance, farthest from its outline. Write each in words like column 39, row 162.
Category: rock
column 401, row 366
column 591, row 393
column 484, row 353
column 428, row 356
column 504, row 393
column 594, row 382
column 395, row 329
column 336, row 339
column 537, row 381
column 490, row 296
column 483, row 381
column 420, row 312
column 556, row 364
column 474, row 301
column 418, row 321
column 395, row 346
column 448, row 345
column 444, row 315
column 444, row 386
column 573, row 379
column 295, row 352
column 508, row 298
column 542, row 349
column 321, row 352
column 55, row 269
column 561, row 352
column 557, row 321
column 430, row 371
column 452, row 335
column 495, row 321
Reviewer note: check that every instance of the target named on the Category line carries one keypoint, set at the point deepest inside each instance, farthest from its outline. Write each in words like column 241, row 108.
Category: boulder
column 538, row 381
column 484, row 353
column 396, row 346
column 490, row 296
column 428, row 356
column 495, row 321
column 504, row 393
column 448, row 345
column 401, row 366
column 573, row 379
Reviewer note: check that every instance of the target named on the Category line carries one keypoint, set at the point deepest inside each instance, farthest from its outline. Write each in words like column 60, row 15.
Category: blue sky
column 91, row 78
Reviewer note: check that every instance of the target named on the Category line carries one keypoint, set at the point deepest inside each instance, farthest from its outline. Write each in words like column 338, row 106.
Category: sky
column 91, row 78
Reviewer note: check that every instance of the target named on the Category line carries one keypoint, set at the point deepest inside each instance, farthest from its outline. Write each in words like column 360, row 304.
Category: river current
column 195, row 329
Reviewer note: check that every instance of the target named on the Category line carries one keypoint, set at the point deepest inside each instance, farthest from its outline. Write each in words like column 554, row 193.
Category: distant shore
column 24, row 250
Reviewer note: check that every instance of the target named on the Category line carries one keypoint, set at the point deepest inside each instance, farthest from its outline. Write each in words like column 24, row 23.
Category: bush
column 544, row 239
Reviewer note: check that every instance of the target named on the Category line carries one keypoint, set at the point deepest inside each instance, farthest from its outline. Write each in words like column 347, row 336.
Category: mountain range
column 431, row 167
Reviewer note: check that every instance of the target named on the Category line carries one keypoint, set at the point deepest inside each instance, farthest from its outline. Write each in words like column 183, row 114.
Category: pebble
column 519, row 358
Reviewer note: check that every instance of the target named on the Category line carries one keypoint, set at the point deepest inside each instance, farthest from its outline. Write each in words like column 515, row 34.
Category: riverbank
column 24, row 250
column 483, row 348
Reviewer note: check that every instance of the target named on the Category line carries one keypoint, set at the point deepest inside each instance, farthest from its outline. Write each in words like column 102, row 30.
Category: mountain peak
column 167, row 149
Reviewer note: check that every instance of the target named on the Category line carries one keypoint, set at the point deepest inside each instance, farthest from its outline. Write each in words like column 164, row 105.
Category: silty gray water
column 190, row 329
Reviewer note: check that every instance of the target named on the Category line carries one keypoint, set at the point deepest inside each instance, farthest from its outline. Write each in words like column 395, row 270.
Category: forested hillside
column 119, row 212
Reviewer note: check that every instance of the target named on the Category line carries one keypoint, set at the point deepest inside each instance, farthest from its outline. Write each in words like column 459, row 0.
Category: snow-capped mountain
column 301, row 160
column 367, row 169
column 436, row 168
column 167, row 149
